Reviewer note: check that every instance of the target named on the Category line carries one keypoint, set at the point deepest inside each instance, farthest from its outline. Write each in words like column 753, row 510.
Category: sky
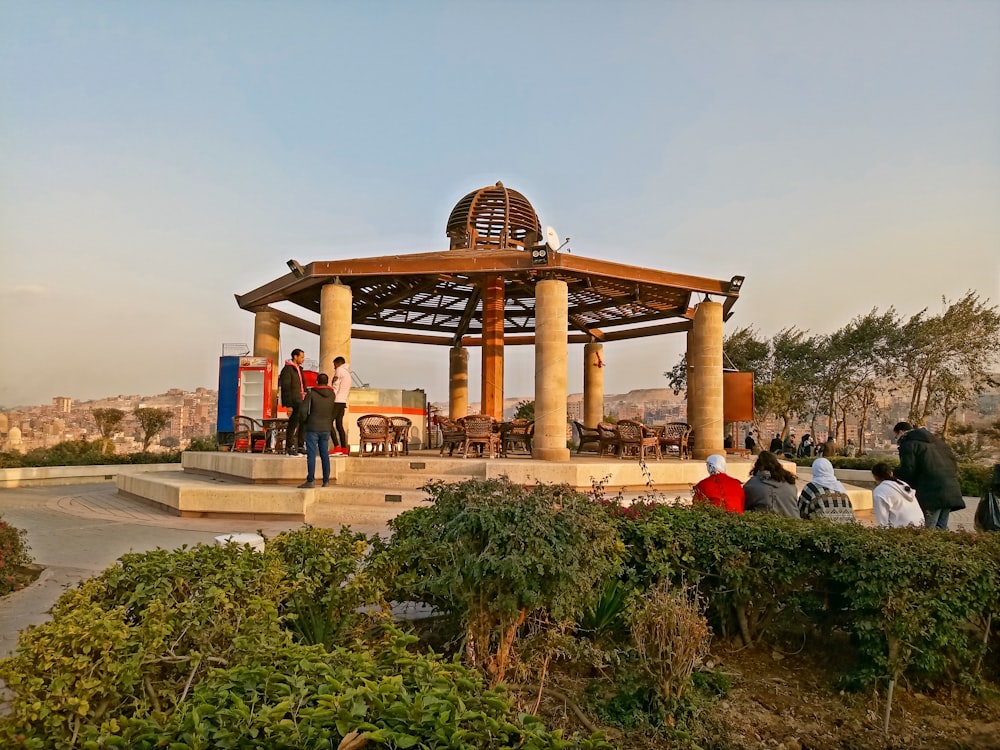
column 158, row 158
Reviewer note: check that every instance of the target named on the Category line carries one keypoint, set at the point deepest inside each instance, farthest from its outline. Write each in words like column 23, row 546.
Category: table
column 274, row 434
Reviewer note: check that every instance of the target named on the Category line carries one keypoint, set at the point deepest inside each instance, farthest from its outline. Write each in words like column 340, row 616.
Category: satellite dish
column 552, row 238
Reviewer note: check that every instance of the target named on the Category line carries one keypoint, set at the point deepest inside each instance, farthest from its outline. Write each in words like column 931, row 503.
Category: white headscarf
column 823, row 475
column 716, row 464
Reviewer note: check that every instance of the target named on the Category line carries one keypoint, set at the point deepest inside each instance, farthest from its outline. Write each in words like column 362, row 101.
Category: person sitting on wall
column 776, row 445
column 893, row 500
column 825, row 496
column 771, row 488
column 718, row 488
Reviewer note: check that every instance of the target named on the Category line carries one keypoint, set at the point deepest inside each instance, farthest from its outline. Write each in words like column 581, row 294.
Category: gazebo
column 500, row 284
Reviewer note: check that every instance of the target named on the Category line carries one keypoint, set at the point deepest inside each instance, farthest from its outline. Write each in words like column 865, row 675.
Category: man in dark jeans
column 927, row 464
column 319, row 407
column 293, row 393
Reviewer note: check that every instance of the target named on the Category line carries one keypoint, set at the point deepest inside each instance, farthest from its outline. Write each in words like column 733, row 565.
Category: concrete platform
column 375, row 489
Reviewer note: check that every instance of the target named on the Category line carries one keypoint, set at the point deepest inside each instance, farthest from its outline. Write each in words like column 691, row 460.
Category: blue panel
column 229, row 380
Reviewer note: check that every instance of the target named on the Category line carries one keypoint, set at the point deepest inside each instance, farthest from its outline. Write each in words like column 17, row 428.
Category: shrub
column 336, row 591
column 204, row 443
column 915, row 600
column 495, row 553
column 13, row 557
column 82, row 453
column 671, row 637
column 133, row 641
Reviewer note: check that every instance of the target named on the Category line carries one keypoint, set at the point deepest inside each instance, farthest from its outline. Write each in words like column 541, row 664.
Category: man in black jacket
column 927, row 464
column 319, row 408
column 293, row 393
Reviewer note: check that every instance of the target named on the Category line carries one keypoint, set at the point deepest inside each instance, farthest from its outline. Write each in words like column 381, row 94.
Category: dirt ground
column 788, row 701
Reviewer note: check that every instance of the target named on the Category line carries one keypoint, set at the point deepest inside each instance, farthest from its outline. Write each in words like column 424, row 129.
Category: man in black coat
column 292, row 386
column 319, row 407
column 927, row 464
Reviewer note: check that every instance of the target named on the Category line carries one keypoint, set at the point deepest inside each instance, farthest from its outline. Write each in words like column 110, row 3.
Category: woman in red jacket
column 718, row 488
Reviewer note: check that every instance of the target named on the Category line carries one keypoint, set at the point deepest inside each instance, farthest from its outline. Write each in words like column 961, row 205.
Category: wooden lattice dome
column 493, row 218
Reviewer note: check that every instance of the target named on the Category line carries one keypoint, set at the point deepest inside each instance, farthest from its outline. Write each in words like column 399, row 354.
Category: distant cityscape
column 194, row 415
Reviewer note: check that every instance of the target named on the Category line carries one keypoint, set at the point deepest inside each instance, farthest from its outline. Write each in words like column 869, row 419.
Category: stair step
column 393, row 497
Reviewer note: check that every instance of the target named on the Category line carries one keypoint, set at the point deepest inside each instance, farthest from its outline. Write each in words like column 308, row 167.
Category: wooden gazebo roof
column 435, row 298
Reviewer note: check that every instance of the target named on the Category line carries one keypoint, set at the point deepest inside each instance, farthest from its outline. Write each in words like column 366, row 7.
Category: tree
column 525, row 410
column 151, row 422
column 856, row 361
column 947, row 359
column 780, row 367
column 107, row 421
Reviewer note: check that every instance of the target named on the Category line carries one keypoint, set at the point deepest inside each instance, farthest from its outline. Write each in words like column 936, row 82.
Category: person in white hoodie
column 895, row 502
column 341, row 390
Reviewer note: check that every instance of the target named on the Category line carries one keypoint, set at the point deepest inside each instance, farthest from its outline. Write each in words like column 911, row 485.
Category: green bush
column 915, row 600
column 204, row 443
column 494, row 554
column 337, row 592
column 974, row 478
column 188, row 649
column 82, row 453
column 134, row 640
column 13, row 558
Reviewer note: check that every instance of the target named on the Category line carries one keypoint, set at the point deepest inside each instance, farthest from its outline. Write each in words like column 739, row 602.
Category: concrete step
column 382, row 497
column 191, row 495
column 354, row 506
column 405, row 473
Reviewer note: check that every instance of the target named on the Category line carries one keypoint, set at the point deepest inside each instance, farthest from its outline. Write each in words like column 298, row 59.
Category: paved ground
column 77, row 531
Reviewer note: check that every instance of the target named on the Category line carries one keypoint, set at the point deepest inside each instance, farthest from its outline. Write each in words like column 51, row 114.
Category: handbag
column 988, row 512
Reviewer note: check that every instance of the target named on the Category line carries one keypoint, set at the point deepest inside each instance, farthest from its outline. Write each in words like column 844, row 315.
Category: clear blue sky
column 157, row 158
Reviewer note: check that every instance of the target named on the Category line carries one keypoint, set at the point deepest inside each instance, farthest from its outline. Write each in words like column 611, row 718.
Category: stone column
column 267, row 343
column 593, row 384
column 691, row 384
column 492, row 375
column 458, row 382
column 334, row 325
column 551, row 350
column 705, row 373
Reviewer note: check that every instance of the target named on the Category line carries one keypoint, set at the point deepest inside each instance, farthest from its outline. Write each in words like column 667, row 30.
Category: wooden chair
column 516, row 434
column 401, row 434
column 588, row 436
column 635, row 436
column 248, row 435
column 377, row 435
column 675, row 436
column 452, row 435
column 608, row 442
column 480, row 430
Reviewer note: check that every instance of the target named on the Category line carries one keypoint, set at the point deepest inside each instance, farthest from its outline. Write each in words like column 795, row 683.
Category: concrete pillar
column 593, row 384
column 267, row 343
column 334, row 325
column 551, row 352
column 493, row 321
column 458, row 382
column 705, row 373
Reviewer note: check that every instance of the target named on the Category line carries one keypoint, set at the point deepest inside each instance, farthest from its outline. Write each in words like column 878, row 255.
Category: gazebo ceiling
column 434, row 298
